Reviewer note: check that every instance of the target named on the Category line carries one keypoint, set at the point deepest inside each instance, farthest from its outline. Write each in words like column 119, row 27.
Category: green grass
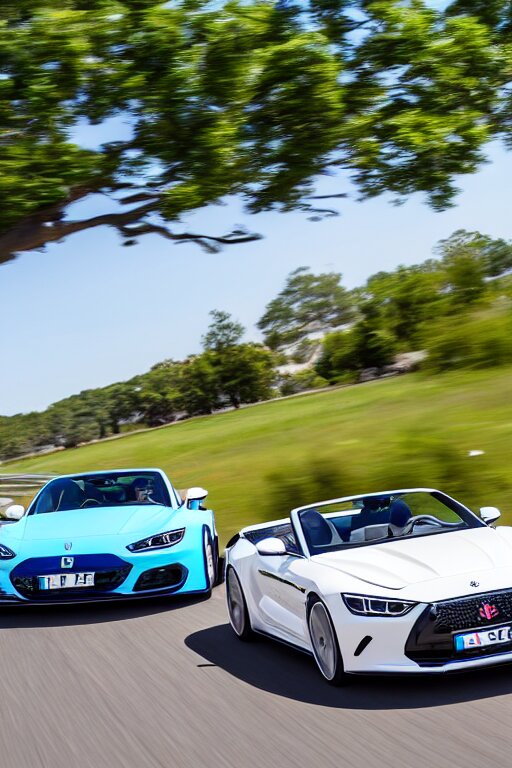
column 259, row 462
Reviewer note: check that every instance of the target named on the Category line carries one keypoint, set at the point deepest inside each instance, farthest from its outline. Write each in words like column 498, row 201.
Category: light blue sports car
column 107, row 535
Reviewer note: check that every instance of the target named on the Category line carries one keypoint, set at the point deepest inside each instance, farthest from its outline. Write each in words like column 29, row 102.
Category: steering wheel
column 424, row 520
column 87, row 502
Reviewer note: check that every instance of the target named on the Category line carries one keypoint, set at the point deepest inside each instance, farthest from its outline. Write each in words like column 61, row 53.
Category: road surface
column 167, row 685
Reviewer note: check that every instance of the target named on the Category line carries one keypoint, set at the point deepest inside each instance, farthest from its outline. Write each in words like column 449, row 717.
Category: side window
column 44, row 503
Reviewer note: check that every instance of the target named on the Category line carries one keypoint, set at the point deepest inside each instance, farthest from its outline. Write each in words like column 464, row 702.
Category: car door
column 281, row 589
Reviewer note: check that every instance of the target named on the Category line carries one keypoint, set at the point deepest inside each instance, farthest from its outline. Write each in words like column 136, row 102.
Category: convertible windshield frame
column 346, row 537
column 102, row 490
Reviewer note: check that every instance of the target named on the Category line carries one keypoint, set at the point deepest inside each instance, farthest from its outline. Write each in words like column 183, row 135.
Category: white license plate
column 483, row 638
column 66, row 580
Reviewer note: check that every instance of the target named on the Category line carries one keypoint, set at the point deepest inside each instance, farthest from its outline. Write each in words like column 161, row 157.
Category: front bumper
column 465, row 665
column 423, row 641
column 117, row 576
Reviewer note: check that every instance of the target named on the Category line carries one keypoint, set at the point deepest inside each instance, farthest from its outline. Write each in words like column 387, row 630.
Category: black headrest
column 375, row 502
column 316, row 529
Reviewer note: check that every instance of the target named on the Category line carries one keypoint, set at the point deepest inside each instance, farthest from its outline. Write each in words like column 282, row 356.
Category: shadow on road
column 280, row 670
column 31, row 616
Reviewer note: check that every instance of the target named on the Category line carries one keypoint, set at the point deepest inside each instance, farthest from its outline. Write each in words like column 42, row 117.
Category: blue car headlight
column 6, row 553
column 366, row 605
column 158, row 541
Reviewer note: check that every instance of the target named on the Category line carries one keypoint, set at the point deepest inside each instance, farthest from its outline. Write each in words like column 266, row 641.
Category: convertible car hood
column 398, row 564
column 95, row 521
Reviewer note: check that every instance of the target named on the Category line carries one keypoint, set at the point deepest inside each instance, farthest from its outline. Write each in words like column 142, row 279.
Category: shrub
column 300, row 382
column 479, row 340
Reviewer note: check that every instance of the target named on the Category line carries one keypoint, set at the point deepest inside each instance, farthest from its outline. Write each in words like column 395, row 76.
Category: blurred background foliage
column 451, row 312
column 451, row 431
column 251, row 98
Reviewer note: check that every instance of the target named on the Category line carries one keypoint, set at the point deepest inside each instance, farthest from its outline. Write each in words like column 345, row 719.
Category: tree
column 399, row 302
column 362, row 346
column 223, row 332
column 158, row 394
column 340, row 354
column 121, row 403
column 306, row 304
column 244, row 373
column 492, row 256
column 74, row 420
column 248, row 98
column 198, row 386
column 465, row 267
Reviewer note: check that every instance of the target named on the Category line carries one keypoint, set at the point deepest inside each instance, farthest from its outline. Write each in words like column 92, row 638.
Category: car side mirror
column 271, row 547
column 14, row 512
column 489, row 514
column 194, row 497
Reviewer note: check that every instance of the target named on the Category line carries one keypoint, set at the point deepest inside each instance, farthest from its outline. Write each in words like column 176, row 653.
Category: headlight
column 159, row 541
column 6, row 553
column 364, row 605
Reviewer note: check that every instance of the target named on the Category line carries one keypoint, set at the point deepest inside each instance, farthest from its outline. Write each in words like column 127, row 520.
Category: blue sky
column 89, row 312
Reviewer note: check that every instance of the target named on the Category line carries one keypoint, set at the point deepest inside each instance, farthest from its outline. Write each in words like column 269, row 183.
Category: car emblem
column 474, row 583
column 67, row 562
column 488, row 611
column 68, row 545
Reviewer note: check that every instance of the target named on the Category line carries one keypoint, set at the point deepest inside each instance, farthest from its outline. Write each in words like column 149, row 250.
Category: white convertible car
column 399, row 581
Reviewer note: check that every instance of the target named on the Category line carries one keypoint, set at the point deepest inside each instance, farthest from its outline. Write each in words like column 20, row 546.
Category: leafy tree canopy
column 222, row 332
column 306, row 304
column 253, row 98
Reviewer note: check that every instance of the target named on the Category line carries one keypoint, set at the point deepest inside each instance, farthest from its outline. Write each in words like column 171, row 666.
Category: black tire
column 210, row 561
column 237, row 607
column 221, row 568
column 324, row 642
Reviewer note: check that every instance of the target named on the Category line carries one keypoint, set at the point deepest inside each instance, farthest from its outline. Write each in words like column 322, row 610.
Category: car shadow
column 34, row 616
column 275, row 668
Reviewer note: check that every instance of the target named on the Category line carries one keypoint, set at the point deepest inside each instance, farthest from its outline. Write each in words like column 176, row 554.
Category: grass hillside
column 259, row 462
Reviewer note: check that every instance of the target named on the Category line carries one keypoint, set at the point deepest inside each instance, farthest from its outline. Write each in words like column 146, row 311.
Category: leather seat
column 318, row 531
column 399, row 516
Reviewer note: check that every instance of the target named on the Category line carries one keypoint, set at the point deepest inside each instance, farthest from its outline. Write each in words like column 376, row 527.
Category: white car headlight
column 158, row 541
column 365, row 605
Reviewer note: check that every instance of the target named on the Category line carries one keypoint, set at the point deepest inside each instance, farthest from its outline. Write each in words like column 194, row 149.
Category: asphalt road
column 166, row 684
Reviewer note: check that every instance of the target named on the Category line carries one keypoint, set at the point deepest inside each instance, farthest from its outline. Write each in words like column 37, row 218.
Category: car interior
column 65, row 494
column 375, row 518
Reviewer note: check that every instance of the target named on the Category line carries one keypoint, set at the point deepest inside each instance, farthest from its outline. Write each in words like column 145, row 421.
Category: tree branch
column 44, row 227
column 209, row 243
column 327, row 197
column 48, row 226
column 139, row 197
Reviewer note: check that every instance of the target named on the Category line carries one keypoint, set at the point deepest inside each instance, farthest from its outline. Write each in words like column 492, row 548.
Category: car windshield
column 112, row 489
column 375, row 519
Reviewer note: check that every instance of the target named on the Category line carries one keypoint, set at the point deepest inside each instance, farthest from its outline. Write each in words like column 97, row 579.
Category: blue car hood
column 132, row 520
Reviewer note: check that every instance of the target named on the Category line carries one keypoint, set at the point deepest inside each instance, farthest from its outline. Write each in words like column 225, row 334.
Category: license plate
column 483, row 638
column 66, row 580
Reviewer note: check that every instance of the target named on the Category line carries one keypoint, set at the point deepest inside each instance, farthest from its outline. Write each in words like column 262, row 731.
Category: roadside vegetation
column 257, row 463
column 456, row 309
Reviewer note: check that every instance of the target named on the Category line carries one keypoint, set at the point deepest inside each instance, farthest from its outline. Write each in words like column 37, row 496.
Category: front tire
column 324, row 643
column 210, row 564
column 237, row 607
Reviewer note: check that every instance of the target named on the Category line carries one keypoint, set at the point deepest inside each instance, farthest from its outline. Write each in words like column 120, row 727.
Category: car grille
column 110, row 572
column 454, row 615
column 431, row 640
